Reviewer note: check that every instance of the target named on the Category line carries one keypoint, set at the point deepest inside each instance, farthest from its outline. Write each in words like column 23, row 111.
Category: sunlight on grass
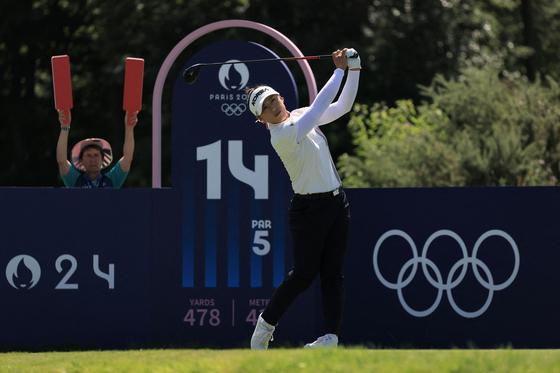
column 285, row 360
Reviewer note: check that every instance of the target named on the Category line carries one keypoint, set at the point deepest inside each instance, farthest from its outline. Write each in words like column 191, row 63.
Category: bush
column 485, row 129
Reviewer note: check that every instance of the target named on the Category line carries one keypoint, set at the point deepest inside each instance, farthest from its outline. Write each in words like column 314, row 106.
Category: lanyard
column 88, row 182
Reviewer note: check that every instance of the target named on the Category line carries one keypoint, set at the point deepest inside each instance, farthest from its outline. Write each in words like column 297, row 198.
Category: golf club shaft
column 191, row 73
column 266, row 60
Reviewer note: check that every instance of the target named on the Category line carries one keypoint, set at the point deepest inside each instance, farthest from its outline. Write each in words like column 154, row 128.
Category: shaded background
column 402, row 44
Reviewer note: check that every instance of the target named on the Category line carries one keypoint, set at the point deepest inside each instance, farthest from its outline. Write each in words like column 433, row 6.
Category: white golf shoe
column 262, row 335
column 326, row 341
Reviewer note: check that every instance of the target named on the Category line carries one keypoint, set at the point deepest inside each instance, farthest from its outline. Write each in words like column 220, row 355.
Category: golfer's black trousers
column 320, row 234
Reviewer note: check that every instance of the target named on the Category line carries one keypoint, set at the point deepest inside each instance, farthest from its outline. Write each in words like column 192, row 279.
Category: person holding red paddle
column 90, row 156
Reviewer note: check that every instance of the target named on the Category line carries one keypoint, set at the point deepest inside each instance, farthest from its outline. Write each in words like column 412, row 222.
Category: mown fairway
column 285, row 360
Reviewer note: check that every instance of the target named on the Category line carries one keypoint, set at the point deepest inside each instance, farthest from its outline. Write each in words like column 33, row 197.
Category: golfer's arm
column 344, row 103
column 310, row 119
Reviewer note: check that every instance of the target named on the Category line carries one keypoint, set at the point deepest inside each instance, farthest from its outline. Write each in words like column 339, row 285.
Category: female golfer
column 319, row 212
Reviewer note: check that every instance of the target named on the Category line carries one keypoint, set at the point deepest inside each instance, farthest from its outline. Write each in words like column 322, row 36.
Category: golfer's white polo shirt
column 309, row 162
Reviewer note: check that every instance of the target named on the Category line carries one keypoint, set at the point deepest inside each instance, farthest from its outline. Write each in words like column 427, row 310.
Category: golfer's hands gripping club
column 339, row 59
column 348, row 57
column 353, row 59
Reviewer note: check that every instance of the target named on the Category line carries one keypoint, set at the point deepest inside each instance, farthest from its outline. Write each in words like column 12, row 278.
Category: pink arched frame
column 172, row 56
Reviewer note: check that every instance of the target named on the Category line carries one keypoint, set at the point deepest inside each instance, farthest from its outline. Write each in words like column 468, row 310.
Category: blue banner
column 235, row 190
column 453, row 267
column 234, row 186
column 75, row 267
column 426, row 268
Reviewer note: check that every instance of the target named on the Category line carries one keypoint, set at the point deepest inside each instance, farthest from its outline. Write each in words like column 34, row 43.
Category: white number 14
column 257, row 179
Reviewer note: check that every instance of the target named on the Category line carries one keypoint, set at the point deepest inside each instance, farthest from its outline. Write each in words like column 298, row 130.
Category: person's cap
column 257, row 98
column 103, row 145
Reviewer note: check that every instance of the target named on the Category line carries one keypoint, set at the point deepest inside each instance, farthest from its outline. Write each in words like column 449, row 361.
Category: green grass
column 285, row 360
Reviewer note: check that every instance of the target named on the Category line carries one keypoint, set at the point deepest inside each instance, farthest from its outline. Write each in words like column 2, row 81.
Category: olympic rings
column 438, row 282
column 234, row 109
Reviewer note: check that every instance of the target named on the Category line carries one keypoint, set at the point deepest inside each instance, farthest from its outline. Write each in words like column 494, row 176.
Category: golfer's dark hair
column 249, row 91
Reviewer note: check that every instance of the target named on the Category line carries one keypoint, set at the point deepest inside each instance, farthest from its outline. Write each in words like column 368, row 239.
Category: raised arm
column 310, row 119
column 346, row 100
column 128, row 149
column 348, row 95
column 62, row 145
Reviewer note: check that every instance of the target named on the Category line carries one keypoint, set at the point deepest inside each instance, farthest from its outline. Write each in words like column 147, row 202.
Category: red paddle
column 133, row 79
column 62, row 85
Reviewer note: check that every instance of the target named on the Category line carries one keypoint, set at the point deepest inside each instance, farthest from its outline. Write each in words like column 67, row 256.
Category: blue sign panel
column 236, row 248
column 232, row 180
column 453, row 267
column 426, row 267
column 74, row 265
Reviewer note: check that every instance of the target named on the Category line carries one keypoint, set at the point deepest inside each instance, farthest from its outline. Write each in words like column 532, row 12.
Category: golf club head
column 191, row 74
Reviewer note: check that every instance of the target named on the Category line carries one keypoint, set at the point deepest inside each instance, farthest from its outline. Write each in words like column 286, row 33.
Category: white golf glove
column 353, row 59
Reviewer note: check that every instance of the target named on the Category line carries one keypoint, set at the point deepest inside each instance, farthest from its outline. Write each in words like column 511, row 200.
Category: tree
column 98, row 35
column 401, row 43
column 477, row 131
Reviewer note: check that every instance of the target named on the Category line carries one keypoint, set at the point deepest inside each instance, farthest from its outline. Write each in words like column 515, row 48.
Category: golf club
column 191, row 73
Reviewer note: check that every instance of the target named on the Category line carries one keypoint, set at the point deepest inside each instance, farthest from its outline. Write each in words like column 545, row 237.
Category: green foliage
column 397, row 147
column 402, row 43
column 478, row 130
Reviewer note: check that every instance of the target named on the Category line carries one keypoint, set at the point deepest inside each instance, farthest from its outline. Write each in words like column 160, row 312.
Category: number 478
column 214, row 319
